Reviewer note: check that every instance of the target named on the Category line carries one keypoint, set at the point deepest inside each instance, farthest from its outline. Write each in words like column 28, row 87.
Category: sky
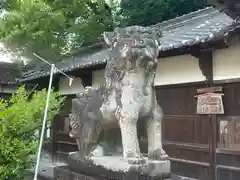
column 4, row 57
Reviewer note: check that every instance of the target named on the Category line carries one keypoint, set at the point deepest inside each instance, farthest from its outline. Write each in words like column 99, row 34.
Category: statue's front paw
column 158, row 154
column 76, row 156
column 135, row 159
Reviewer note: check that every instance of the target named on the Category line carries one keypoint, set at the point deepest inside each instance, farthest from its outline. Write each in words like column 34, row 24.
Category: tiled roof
column 77, row 62
column 9, row 73
column 197, row 27
column 194, row 28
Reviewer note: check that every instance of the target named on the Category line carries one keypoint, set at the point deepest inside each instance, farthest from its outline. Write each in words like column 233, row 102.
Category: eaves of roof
column 198, row 27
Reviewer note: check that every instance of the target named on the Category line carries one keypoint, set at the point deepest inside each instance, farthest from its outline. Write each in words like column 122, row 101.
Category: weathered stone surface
column 68, row 174
column 64, row 173
column 126, row 97
column 116, row 165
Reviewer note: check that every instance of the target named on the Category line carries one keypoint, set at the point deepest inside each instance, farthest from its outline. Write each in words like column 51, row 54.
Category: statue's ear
column 158, row 36
column 109, row 37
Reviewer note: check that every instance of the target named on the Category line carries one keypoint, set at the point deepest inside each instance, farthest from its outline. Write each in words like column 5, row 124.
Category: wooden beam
column 230, row 7
column 87, row 79
column 205, row 61
column 215, row 44
column 210, row 90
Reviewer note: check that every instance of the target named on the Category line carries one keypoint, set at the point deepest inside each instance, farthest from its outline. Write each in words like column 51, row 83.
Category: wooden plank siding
column 228, row 150
column 185, row 134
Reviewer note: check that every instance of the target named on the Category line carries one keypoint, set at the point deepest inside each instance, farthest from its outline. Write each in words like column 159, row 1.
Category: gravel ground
column 45, row 167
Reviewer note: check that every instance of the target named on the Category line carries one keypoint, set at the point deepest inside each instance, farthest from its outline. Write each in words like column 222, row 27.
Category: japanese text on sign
column 210, row 103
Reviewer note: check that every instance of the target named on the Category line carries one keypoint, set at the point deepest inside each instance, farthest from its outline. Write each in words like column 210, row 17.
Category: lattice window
column 66, row 125
column 229, row 133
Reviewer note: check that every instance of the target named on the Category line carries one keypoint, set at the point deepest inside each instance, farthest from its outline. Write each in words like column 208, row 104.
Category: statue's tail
column 84, row 122
column 75, row 121
column 78, row 105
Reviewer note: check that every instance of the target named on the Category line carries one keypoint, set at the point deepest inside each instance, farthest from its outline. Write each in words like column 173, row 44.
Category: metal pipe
column 44, row 121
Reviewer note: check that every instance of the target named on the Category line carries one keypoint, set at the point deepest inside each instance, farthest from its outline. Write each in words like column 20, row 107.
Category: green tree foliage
column 53, row 27
column 20, row 118
column 149, row 12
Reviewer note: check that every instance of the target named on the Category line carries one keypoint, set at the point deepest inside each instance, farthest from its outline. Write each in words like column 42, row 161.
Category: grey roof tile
column 196, row 27
column 70, row 64
column 9, row 73
column 187, row 30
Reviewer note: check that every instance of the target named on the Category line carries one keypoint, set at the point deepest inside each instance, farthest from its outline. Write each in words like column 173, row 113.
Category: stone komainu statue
column 126, row 96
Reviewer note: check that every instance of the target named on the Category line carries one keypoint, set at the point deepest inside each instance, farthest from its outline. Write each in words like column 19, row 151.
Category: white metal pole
column 44, row 121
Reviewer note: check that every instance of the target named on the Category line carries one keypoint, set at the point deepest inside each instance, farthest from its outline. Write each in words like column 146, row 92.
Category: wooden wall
column 228, row 139
column 185, row 134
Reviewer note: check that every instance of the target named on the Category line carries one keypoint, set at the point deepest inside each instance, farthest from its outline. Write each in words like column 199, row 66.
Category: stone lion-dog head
column 134, row 46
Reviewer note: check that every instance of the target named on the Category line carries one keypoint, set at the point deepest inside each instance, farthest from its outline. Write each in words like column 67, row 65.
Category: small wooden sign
column 210, row 103
column 209, row 90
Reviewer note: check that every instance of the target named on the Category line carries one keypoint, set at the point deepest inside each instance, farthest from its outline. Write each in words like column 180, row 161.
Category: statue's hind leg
column 92, row 138
column 108, row 143
column 154, row 130
column 89, row 135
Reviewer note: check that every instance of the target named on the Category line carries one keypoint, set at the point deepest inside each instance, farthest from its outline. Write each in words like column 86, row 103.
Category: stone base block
column 114, row 167
column 65, row 173
column 151, row 168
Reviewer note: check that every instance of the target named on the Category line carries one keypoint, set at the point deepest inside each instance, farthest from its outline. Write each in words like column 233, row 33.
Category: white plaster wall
column 97, row 78
column 171, row 70
column 226, row 63
column 65, row 89
column 185, row 68
column 177, row 70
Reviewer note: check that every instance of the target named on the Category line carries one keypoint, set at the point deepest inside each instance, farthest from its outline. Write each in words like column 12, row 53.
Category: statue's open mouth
column 139, row 46
column 139, row 53
column 136, row 51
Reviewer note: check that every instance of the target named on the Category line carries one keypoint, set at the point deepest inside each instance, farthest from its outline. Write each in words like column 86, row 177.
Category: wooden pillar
column 87, row 78
column 205, row 59
column 230, row 7
column 55, row 86
column 206, row 66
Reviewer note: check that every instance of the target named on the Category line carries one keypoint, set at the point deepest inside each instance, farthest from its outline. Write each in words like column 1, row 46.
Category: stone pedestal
column 112, row 167
column 66, row 173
